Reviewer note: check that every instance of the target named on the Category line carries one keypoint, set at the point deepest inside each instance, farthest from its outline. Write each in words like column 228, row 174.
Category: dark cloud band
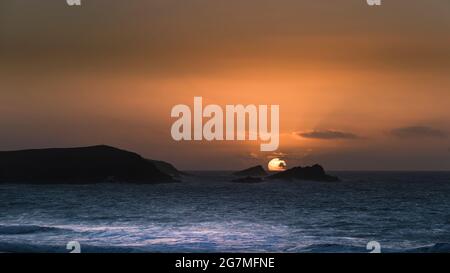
column 327, row 134
column 418, row 132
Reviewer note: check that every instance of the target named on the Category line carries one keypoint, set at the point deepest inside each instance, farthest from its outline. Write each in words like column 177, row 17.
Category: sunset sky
column 359, row 87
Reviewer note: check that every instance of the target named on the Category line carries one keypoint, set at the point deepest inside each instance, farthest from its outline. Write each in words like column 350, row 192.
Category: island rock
column 95, row 164
column 311, row 173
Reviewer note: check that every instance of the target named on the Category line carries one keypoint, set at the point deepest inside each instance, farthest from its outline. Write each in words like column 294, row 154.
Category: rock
column 167, row 168
column 95, row 164
column 312, row 173
column 253, row 171
column 248, row 179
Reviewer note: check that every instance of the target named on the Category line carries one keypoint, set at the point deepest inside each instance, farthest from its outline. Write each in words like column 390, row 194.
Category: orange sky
column 358, row 87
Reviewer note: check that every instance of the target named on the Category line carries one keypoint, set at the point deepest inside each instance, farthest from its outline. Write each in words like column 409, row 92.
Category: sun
column 277, row 165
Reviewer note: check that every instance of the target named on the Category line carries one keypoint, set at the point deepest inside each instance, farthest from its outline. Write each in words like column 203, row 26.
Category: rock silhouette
column 167, row 168
column 312, row 173
column 253, row 171
column 83, row 165
column 248, row 179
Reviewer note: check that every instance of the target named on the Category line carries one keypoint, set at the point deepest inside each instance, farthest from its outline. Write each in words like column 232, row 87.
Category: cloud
column 327, row 134
column 418, row 132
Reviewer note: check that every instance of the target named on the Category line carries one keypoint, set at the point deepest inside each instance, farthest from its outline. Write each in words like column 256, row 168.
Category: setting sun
column 277, row 165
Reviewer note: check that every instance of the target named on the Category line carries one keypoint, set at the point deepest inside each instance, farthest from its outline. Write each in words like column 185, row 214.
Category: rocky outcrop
column 95, row 164
column 253, row 171
column 167, row 168
column 248, row 179
column 311, row 173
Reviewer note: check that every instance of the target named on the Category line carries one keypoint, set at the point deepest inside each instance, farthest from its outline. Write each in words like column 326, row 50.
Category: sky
column 359, row 87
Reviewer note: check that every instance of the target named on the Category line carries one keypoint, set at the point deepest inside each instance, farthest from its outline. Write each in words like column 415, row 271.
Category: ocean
column 402, row 211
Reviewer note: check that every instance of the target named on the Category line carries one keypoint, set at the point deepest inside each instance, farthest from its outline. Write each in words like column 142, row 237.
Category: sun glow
column 277, row 165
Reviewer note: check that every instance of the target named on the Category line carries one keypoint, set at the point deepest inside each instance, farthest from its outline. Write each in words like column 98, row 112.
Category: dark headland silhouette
column 100, row 164
column 248, row 179
column 253, row 171
column 312, row 173
column 94, row 164
column 258, row 174
column 167, row 168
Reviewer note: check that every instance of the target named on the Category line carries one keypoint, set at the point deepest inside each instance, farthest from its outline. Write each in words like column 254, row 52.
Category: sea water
column 402, row 211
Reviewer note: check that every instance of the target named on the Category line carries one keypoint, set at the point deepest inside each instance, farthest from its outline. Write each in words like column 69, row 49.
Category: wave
column 338, row 248
column 436, row 248
column 6, row 247
column 27, row 229
column 332, row 248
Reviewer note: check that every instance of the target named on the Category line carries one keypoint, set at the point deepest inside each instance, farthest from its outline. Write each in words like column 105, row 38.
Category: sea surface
column 402, row 211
